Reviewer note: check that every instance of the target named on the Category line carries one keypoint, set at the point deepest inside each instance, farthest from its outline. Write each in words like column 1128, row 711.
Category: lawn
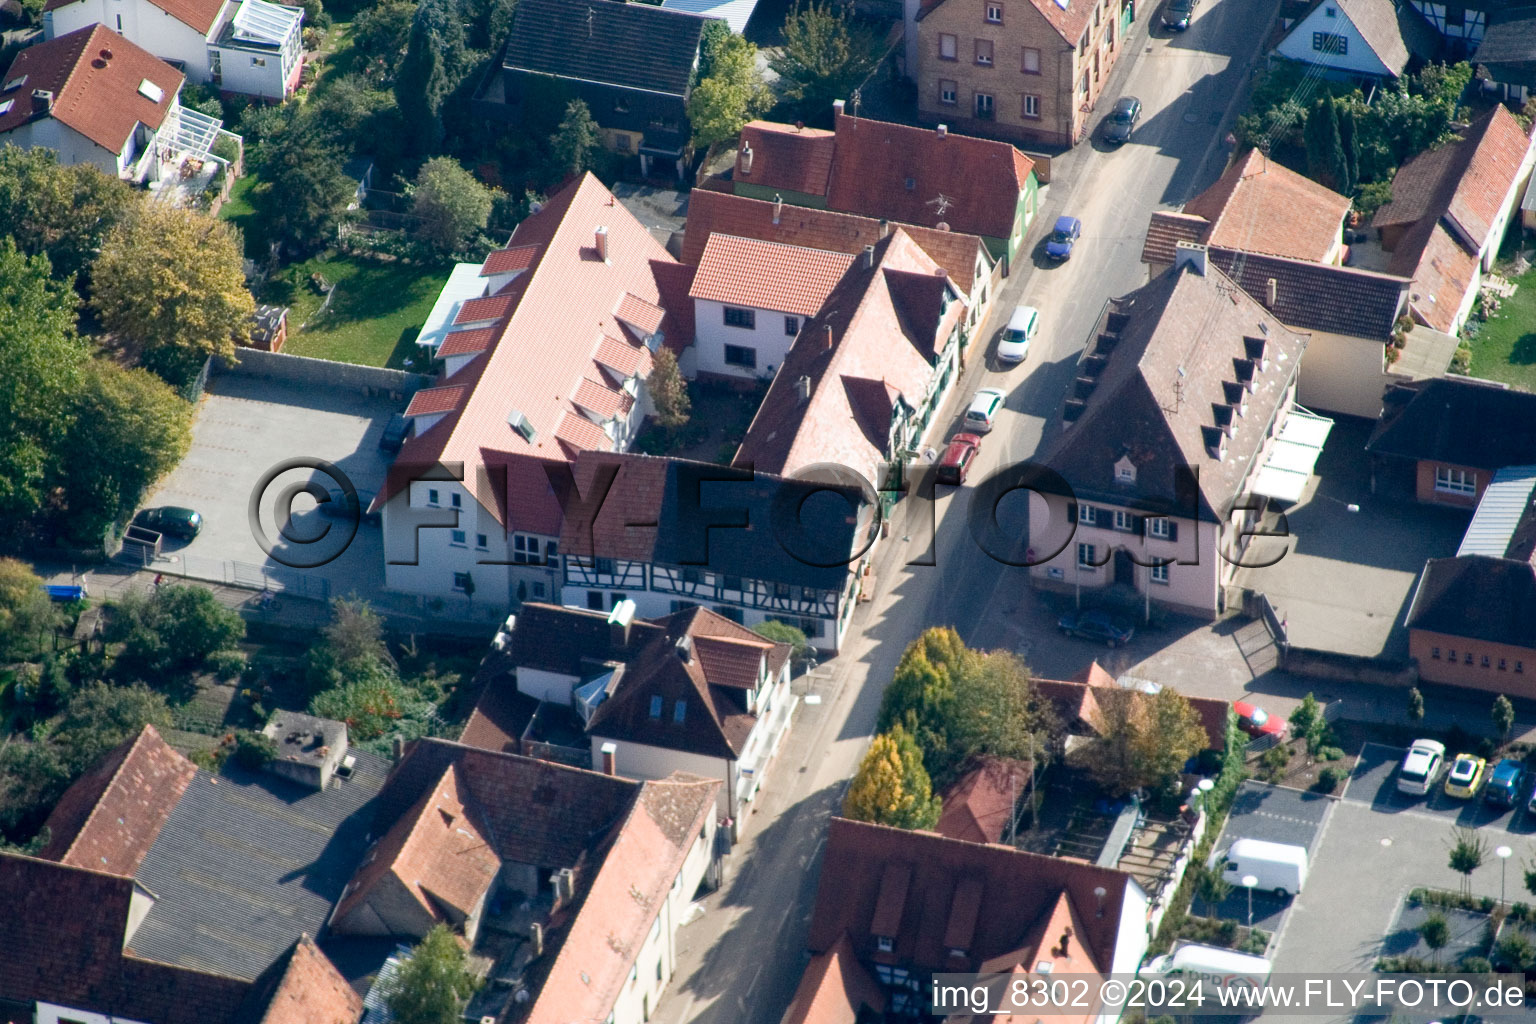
column 374, row 318
column 1505, row 346
column 239, row 211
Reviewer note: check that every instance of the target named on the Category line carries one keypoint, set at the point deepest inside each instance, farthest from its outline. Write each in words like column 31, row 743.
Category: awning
column 1294, row 454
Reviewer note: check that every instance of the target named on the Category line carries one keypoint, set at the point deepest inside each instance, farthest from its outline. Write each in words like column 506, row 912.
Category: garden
column 1503, row 346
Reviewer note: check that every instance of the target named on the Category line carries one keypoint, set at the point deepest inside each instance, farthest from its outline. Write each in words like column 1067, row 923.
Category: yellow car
column 1465, row 777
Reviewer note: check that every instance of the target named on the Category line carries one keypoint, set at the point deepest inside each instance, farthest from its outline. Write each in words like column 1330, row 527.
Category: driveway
column 1273, row 814
column 248, row 425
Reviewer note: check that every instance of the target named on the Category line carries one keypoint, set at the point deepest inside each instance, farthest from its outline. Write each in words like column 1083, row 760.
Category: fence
column 294, row 582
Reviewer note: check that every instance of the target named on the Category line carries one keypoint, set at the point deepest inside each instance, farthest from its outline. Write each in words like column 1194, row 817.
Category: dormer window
column 1125, row 471
column 884, row 943
column 957, row 954
column 656, row 706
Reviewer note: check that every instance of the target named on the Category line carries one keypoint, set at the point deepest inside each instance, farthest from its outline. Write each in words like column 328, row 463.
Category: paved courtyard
column 1273, row 814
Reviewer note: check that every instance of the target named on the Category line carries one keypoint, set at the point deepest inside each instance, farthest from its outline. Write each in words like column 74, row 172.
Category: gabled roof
column 979, row 806
column 711, row 212
column 1260, row 205
column 1508, row 48
column 767, row 275
column 914, row 883
column 1319, row 296
column 784, row 156
column 1457, row 421
column 834, row 989
column 1181, row 343
column 1393, row 31
column 567, row 641
column 510, row 260
column 632, row 46
column 1477, row 597
column 98, row 96
column 875, row 344
column 200, row 15
column 303, row 987
column 1166, row 230
column 109, row 818
column 647, row 489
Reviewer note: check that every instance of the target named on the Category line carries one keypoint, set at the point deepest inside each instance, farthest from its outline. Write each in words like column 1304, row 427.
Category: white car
column 983, row 410
column 1021, row 330
column 1420, row 767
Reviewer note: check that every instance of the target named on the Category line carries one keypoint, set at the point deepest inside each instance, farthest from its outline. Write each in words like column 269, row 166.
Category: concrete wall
column 767, row 337
column 1344, row 374
column 324, row 373
column 553, row 687
column 1348, row 668
column 643, row 761
column 72, row 147
column 391, row 909
column 1496, row 668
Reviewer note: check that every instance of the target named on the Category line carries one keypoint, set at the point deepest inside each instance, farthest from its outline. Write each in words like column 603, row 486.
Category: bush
column 1520, row 911
column 253, row 750
column 226, row 665
column 1474, row 964
column 1330, row 754
column 1257, row 942
column 1329, row 779
column 1274, row 761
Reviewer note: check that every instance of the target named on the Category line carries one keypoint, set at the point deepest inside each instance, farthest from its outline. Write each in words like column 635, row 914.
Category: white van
column 1018, row 334
column 1279, row 867
column 1220, row 967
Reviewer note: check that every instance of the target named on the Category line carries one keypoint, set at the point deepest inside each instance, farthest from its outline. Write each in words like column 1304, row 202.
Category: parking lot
column 245, row 427
column 1273, row 814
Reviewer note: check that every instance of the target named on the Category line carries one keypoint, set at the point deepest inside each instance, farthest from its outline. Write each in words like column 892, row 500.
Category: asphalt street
column 740, row 961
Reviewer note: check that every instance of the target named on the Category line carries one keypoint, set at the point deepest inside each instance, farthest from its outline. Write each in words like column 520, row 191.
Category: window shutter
column 1140, row 525
column 1173, row 529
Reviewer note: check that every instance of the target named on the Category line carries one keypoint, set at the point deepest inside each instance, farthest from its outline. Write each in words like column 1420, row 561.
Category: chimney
column 885, row 227
column 398, row 748
column 837, row 108
column 684, row 647
column 600, row 243
column 42, row 100
column 869, row 261
column 1271, row 290
column 778, row 206
column 536, row 939
column 942, row 130
column 942, row 225
column 565, row 887
column 619, row 622
column 803, row 389
column 1066, row 942
column 610, row 753
column 830, row 341
column 1191, row 254
column 746, row 160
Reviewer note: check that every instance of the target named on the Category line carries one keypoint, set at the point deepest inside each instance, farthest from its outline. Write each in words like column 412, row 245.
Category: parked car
column 1505, row 782
column 1466, row 776
column 1177, row 14
column 1020, row 331
column 958, row 456
column 1097, row 625
column 171, row 519
column 1421, row 767
column 1063, row 236
column 1280, row 868
column 341, row 506
column 1255, row 721
column 1122, row 120
column 982, row 412
column 395, row 432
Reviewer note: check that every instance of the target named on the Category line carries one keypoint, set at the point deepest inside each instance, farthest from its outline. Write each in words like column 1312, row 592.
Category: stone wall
column 325, row 373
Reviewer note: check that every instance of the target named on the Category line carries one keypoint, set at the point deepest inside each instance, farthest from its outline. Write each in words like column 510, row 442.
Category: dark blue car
column 1096, row 625
column 1505, row 782
column 1063, row 236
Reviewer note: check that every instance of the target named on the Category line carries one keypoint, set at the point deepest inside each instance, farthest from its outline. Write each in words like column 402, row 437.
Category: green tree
column 99, row 717
column 303, row 193
column 41, row 359
column 62, row 212
column 994, row 713
column 352, row 645
column 1307, row 723
column 26, row 613
column 452, row 207
column 1415, row 705
column 1349, row 140
column 351, row 115
column 371, row 703
column 382, row 31
column 127, row 429
column 730, row 94
column 433, row 985
column 1212, row 887
column 1515, row 952
column 669, row 392
column 169, row 279
column 784, row 633
column 434, row 65
column 1325, row 148
column 891, row 786
column 32, row 778
column 1503, row 715
column 1468, row 851
column 172, row 631
column 1143, row 740
column 922, row 689
column 1436, row 933
column 826, row 55
column 576, row 141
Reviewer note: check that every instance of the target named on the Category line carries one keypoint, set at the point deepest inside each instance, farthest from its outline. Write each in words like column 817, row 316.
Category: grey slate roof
column 247, row 862
column 1457, row 421
column 1508, row 48
column 1318, row 296
column 1477, row 597
column 1502, row 510
column 631, row 45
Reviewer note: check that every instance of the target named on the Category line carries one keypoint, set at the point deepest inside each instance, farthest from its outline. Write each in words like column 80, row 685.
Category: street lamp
column 1503, row 853
column 1249, row 881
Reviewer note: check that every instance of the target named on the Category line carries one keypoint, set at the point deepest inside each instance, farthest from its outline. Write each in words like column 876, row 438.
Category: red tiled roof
column 623, row 900
column 102, row 103
column 623, row 358
column 766, row 275
column 834, row 989
column 1053, row 947
column 1068, row 20
column 429, row 401
column 197, row 14
column 785, row 157
column 1443, row 273
column 982, row 179
column 1259, row 205
column 577, row 433
column 601, row 399
column 465, row 343
column 1166, row 230
column 311, row 991
column 711, row 213
column 487, row 307
column 110, row 817
column 731, row 661
column 674, row 280
column 640, row 313
column 979, row 806
column 509, row 261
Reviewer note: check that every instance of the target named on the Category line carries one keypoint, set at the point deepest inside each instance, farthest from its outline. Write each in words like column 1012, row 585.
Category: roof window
column 16, row 83
column 150, row 91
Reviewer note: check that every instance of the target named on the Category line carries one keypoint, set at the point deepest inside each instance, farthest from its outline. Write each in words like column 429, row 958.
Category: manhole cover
column 1191, row 118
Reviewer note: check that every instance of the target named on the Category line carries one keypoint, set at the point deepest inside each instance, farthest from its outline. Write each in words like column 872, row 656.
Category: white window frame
column 1087, row 515
column 1455, row 481
column 1031, row 107
column 1124, row 521
column 1087, row 556
column 1159, row 527
column 1158, row 573
column 994, row 13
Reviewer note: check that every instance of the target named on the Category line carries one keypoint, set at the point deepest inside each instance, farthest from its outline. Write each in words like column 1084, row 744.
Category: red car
column 958, row 456
column 1255, row 721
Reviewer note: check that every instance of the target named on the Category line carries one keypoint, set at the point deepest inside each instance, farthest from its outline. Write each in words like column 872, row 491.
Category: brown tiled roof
column 1442, row 269
column 786, row 157
column 1260, row 205
column 466, row 343
column 981, row 178
column 102, row 103
column 439, row 853
column 638, row 489
column 624, row 898
column 554, row 638
column 674, row 280
column 110, row 817
column 501, row 712
column 487, row 307
column 979, row 806
column 198, row 14
column 641, row 313
column 1319, row 296
column 834, row 989
column 711, row 212
column 1073, row 702
column 305, row 988
column 1077, row 704
column 1166, row 230
column 912, row 880
column 1392, row 31
column 886, row 327
column 1069, row 20
column 1053, row 947
column 767, row 275
column 1477, row 597
column 1182, row 339
column 428, row 401
column 510, row 260
column 731, row 661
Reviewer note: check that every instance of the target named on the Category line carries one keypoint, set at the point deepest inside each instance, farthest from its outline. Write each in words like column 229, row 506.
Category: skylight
column 150, row 91
column 5, row 106
column 16, row 83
